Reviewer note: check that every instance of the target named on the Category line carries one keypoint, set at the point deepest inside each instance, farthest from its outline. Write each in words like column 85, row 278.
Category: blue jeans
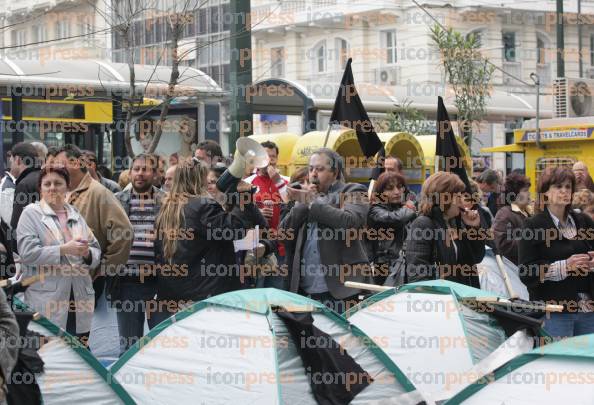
column 567, row 324
column 131, row 309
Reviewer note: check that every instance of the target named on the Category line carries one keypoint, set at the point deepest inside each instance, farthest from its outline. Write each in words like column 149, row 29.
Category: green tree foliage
column 408, row 119
column 469, row 74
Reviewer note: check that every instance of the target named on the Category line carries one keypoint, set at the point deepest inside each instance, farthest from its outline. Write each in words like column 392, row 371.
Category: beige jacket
column 106, row 217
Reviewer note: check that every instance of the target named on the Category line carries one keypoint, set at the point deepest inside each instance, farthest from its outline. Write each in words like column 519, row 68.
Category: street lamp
column 536, row 79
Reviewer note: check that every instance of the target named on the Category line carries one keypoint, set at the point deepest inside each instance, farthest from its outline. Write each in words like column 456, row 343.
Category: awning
column 513, row 148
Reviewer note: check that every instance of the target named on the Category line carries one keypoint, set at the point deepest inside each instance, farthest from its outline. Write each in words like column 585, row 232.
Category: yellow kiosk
column 417, row 154
column 286, row 142
column 407, row 148
column 344, row 142
column 560, row 146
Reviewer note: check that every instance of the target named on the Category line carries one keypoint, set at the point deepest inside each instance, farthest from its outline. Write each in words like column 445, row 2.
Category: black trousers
column 71, row 322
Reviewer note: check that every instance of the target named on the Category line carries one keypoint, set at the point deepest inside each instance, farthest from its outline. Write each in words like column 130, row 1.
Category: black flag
column 349, row 111
column 446, row 145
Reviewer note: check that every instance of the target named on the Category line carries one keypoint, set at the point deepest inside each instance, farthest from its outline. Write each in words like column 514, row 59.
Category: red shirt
column 267, row 190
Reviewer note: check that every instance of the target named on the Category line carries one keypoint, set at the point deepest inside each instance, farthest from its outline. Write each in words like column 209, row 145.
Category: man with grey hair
column 41, row 150
column 583, row 180
column 328, row 220
column 490, row 183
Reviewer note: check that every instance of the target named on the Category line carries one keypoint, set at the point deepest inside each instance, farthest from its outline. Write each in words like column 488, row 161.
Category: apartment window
column 478, row 35
column 63, row 29
column 158, row 29
column 214, row 19
column 84, row 25
column 388, row 42
column 202, row 22
column 203, row 51
column 226, row 18
column 149, row 31
column 139, row 33
column 20, row 37
column 342, row 48
column 277, row 62
column 509, row 46
column 541, row 51
column 320, row 57
column 39, row 34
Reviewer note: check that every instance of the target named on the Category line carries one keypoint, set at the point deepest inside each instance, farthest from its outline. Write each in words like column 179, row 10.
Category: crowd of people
column 164, row 236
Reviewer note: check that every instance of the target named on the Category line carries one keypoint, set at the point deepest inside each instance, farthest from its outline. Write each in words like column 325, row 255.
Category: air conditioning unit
column 389, row 76
column 573, row 97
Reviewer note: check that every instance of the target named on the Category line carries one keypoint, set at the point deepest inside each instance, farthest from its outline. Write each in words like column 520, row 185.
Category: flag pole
column 327, row 134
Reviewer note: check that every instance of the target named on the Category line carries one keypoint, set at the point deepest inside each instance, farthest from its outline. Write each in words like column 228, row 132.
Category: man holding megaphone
column 327, row 220
column 249, row 155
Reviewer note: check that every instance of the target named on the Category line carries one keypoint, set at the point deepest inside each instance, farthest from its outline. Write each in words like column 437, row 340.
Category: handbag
column 397, row 274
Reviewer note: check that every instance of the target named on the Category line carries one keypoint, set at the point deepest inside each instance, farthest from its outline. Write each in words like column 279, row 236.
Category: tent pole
column 508, row 285
column 365, row 286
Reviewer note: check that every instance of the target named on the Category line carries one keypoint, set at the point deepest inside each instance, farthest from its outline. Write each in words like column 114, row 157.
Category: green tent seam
column 83, row 352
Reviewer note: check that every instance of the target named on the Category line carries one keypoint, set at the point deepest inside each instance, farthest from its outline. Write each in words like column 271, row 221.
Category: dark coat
column 495, row 202
column 506, row 226
column 25, row 193
column 335, row 252
column 384, row 217
column 208, row 257
column 428, row 257
column 535, row 255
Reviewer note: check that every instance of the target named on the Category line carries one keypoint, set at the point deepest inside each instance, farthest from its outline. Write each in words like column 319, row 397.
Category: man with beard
column 137, row 285
column 326, row 220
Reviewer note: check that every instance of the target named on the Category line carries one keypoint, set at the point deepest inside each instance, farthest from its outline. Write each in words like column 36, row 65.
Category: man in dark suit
column 490, row 184
column 327, row 222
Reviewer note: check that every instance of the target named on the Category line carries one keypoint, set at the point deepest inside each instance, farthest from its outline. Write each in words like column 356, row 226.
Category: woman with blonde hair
column 195, row 236
column 445, row 241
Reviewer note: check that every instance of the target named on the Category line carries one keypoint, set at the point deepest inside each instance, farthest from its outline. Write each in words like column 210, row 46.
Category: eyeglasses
column 319, row 169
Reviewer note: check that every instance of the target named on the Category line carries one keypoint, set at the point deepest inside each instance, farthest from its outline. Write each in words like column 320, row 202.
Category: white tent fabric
column 439, row 343
column 71, row 374
column 233, row 349
column 559, row 373
column 492, row 280
column 67, row 378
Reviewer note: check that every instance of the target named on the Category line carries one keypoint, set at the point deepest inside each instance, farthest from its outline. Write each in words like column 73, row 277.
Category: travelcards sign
column 558, row 134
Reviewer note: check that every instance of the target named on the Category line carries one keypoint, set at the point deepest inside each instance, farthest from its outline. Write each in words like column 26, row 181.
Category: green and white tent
column 235, row 349
column 440, row 343
column 558, row 373
column 72, row 375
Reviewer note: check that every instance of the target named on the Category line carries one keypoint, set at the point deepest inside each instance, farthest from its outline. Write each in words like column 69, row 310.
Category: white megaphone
column 248, row 153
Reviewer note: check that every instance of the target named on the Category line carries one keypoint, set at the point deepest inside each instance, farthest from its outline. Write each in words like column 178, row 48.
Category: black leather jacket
column 204, row 263
column 388, row 220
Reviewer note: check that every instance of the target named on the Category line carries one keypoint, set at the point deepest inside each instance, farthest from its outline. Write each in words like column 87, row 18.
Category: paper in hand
column 250, row 242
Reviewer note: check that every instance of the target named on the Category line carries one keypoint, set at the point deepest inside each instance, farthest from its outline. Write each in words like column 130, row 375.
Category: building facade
column 309, row 41
column 46, row 30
